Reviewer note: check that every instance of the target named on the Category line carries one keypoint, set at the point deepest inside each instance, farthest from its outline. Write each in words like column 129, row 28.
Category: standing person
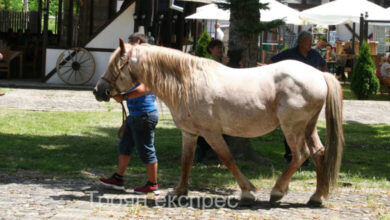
column 218, row 32
column 304, row 53
column 139, row 133
column 385, row 71
column 215, row 49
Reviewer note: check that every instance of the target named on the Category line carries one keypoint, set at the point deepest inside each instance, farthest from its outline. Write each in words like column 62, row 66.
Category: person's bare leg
column 152, row 172
column 123, row 162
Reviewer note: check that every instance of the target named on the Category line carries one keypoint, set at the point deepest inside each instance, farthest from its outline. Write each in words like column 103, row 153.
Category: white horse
column 208, row 99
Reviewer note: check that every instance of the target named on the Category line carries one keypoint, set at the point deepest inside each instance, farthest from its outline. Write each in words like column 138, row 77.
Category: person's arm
column 321, row 63
column 225, row 60
column 323, row 68
column 135, row 93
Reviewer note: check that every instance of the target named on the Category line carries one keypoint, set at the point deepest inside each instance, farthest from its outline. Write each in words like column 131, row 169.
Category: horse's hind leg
column 317, row 152
column 220, row 147
column 187, row 157
column 299, row 151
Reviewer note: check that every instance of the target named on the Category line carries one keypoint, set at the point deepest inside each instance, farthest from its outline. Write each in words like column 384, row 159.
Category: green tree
column 244, row 30
column 12, row 4
column 364, row 81
column 201, row 46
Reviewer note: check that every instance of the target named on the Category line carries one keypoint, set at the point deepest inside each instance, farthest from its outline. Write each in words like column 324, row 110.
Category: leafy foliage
column 364, row 81
column 201, row 46
column 33, row 5
column 251, row 21
column 11, row 4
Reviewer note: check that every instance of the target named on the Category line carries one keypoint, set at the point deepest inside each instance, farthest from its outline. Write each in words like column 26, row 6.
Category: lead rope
column 124, row 118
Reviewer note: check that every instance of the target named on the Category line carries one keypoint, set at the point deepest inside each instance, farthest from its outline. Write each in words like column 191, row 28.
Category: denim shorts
column 139, row 132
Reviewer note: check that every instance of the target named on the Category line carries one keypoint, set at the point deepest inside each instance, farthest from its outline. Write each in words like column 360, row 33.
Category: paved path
column 32, row 195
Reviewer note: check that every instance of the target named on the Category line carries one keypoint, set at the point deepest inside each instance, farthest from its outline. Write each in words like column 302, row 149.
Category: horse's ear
column 122, row 46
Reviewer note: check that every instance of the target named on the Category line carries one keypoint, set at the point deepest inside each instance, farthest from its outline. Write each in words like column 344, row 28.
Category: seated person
column 1, row 58
column 330, row 56
column 347, row 50
column 320, row 47
column 385, row 71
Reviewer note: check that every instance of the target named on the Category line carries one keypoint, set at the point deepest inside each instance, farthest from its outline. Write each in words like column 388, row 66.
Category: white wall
column 121, row 27
column 101, row 61
column 344, row 34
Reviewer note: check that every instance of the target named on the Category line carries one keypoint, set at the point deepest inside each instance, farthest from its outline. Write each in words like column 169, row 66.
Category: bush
column 201, row 46
column 364, row 81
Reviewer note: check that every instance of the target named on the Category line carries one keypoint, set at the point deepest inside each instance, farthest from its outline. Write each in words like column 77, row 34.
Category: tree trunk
column 243, row 47
column 26, row 5
column 243, row 34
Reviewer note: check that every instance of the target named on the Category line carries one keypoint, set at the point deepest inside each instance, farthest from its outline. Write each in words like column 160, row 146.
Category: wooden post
column 39, row 17
column 70, row 25
column 361, row 29
column 59, row 20
column 44, row 35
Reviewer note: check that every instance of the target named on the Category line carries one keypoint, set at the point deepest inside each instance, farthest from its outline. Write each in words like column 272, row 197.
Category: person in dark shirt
column 302, row 52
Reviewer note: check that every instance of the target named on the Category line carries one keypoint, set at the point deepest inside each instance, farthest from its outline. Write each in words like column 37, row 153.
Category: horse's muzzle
column 101, row 94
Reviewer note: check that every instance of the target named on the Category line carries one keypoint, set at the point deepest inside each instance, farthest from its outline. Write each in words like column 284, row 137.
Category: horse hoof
column 275, row 200
column 314, row 203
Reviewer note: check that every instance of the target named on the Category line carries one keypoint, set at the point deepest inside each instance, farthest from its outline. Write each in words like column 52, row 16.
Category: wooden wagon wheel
column 75, row 66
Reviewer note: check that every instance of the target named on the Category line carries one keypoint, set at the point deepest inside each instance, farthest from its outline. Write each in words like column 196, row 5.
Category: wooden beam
column 352, row 31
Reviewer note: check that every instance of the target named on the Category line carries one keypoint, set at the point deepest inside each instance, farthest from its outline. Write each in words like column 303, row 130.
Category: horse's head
column 117, row 78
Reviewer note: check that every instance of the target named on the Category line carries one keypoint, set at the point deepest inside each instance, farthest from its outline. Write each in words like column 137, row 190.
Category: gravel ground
column 32, row 195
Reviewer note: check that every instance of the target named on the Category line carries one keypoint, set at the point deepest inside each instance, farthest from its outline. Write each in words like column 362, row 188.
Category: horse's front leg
column 187, row 157
column 220, row 147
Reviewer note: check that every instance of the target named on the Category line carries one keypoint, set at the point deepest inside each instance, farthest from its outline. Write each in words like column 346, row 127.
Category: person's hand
column 225, row 60
column 118, row 98
column 1, row 56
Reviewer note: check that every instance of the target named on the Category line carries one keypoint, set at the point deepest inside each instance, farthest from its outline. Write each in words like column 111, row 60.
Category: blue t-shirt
column 141, row 105
column 313, row 58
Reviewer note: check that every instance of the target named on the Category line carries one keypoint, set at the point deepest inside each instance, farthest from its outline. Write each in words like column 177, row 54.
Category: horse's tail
column 334, row 129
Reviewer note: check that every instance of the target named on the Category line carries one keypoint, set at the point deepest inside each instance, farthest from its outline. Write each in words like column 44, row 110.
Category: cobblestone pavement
column 32, row 195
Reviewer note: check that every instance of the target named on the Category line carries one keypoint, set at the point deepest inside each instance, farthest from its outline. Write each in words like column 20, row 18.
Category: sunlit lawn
column 69, row 144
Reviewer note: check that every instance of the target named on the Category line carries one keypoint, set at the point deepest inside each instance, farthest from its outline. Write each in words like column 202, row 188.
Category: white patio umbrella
column 276, row 11
column 210, row 12
column 343, row 11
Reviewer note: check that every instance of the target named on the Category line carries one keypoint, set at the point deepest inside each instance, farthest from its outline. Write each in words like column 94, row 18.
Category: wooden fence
column 19, row 20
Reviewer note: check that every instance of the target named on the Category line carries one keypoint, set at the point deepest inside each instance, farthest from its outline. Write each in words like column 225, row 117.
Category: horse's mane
column 170, row 74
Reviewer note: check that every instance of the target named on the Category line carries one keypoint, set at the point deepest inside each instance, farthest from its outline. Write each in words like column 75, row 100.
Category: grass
column 69, row 144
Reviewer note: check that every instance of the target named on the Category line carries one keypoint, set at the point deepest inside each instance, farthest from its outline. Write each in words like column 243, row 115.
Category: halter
column 112, row 82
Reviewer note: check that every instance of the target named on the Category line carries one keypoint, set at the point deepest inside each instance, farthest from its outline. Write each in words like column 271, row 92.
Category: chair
column 5, row 63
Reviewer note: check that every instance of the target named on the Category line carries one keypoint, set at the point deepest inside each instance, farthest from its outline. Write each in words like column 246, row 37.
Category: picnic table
column 8, row 57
